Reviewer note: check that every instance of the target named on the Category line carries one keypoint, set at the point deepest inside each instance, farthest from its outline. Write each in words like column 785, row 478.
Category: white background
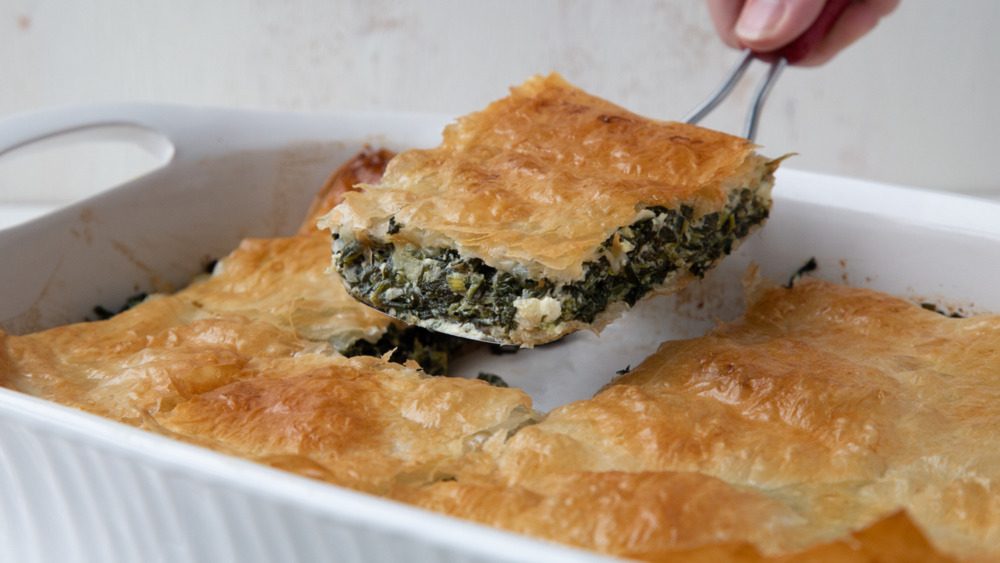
column 913, row 103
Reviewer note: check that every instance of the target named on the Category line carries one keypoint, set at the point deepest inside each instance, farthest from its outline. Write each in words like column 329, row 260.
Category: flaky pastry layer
column 253, row 389
column 824, row 411
column 285, row 281
column 538, row 181
column 244, row 361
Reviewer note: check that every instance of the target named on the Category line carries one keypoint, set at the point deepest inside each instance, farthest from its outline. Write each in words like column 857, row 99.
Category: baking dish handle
column 157, row 128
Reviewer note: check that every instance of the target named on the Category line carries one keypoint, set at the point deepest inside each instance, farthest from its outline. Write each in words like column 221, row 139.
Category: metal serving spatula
column 779, row 59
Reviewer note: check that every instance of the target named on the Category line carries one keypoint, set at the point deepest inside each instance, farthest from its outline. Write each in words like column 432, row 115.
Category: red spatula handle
column 805, row 43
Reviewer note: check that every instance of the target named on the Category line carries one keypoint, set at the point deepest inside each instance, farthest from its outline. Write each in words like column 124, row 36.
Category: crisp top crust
column 544, row 176
column 240, row 363
column 357, row 422
column 823, row 411
column 284, row 281
column 249, row 388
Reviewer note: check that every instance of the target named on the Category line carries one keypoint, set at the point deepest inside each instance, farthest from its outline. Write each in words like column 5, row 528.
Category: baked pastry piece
column 277, row 280
column 550, row 211
column 825, row 411
column 247, row 362
column 265, row 393
column 284, row 281
column 360, row 422
column 828, row 423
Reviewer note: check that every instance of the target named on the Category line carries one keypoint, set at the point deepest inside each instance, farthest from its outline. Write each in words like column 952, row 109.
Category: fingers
column 857, row 20
column 768, row 25
column 724, row 14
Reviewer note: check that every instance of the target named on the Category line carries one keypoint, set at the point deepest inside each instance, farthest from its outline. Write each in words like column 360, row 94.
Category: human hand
column 768, row 25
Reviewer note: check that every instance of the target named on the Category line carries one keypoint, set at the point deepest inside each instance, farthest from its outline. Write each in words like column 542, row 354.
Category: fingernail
column 759, row 19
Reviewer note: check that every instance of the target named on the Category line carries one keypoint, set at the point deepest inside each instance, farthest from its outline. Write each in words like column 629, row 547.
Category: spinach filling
column 466, row 290
column 103, row 313
column 493, row 379
column 429, row 349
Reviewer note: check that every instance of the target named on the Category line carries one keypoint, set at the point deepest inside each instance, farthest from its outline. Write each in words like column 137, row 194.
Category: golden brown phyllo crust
column 246, row 361
column 543, row 177
column 540, row 186
column 827, row 423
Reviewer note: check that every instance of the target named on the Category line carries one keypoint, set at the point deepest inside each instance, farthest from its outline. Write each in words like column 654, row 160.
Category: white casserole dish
column 74, row 487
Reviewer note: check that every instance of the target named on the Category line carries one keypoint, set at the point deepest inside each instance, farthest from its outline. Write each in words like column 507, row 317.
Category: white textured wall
column 913, row 103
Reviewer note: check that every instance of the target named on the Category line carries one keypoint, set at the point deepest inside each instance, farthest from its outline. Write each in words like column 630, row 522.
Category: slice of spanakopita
column 548, row 212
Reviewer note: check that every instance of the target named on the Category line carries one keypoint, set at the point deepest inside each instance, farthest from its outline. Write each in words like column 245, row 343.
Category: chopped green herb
column 394, row 227
column 627, row 369
column 429, row 349
column 493, row 379
column 806, row 268
column 934, row 308
column 104, row 313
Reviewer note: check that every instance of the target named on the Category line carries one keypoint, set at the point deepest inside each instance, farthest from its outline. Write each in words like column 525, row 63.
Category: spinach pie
column 549, row 212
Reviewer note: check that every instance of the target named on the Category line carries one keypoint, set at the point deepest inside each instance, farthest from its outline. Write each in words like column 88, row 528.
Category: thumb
column 766, row 25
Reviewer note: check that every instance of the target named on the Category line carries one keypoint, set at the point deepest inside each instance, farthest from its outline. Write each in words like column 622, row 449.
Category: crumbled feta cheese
column 533, row 312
